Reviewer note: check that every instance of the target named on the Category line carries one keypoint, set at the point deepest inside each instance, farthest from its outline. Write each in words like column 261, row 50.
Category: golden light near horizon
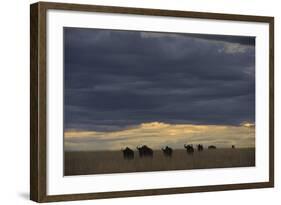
column 158, row 134
column 248, row 124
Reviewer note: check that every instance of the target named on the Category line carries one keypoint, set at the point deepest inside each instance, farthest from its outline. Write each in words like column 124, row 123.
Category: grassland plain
column 102, row 162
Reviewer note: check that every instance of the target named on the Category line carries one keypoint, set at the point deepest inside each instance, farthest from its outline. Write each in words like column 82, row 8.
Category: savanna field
column 103, row 162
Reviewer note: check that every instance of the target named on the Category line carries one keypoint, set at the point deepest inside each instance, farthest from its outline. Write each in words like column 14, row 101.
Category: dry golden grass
column 101, row 162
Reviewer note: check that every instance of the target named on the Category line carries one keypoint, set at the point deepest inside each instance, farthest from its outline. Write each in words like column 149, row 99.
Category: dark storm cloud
column 227, row 38
column 122, row 78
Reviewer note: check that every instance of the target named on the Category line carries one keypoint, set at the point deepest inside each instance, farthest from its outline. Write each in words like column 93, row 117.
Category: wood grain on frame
column 38, row 183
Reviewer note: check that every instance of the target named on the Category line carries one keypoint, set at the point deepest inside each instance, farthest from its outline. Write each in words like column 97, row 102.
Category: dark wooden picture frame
column 38, row 101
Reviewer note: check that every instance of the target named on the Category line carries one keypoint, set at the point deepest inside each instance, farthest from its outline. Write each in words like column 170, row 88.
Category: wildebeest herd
column 145, row 151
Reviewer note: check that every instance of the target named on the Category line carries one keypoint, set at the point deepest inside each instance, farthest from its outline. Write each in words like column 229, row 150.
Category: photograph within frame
column 138, row 101
column 40, row 168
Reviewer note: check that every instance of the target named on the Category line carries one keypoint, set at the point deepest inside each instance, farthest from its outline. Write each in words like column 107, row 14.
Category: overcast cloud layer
column 116, row 79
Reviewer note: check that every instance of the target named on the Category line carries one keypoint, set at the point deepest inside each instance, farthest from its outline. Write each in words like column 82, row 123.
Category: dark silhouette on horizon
column 167, row 151
column 145, row 151
column 212, row 147
column 189, row 148
column 128, row 153
column 200, row 147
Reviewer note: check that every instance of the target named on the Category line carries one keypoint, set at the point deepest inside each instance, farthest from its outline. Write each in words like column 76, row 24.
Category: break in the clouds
column 157, row 135
column 115, row 79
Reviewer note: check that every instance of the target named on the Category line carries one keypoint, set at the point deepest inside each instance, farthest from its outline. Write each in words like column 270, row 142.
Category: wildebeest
column 128, row 153
column 168, row 151
column 212, row 147
column 145, row 151
column 189, row 148
column 200, row 147
column 233, row 146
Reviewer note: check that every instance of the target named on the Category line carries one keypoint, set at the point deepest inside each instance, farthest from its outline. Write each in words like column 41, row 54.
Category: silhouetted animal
column 128, row 153
column 212, row 147
column 233, row 146
column 168, row 151
column 189, row 148
column 200, row 147
column 145, row 151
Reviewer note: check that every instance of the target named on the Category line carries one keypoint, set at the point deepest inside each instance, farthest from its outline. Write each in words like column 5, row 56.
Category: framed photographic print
column 133, row 102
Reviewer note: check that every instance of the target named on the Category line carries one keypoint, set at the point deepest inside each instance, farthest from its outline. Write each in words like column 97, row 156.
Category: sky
column 127, row 88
